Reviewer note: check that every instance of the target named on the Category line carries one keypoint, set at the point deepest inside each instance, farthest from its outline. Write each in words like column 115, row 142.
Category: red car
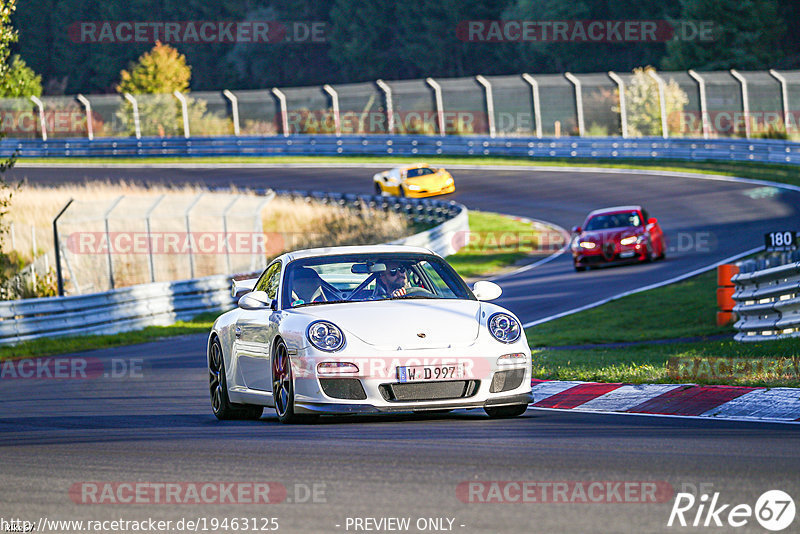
column 623, row 234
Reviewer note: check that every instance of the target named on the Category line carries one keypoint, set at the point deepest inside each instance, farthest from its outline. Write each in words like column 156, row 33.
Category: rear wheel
column 501, row 412
column 221, row 405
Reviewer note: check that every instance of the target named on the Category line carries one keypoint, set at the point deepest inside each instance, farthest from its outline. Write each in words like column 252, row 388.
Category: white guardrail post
column 87, row 106
column 234, row 110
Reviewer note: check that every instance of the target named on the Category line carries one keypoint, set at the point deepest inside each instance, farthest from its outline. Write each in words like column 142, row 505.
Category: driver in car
column 392, row 282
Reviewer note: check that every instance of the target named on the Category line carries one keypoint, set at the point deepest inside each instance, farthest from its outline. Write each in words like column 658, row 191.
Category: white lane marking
column 775, row 403
column 626, row 397
column 644, row 288
column 700, row 417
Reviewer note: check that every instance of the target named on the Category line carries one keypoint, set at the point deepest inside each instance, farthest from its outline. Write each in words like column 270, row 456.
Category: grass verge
column 683, row 310
column 496, row 244
column 474, row 260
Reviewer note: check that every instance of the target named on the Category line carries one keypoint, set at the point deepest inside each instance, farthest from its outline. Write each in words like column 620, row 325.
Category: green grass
column 789, row 174
column 683, row 310
column 497, row 242
column 62, row 345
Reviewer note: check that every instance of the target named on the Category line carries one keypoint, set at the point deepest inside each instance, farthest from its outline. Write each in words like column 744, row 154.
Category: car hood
column 428, row 180
column 397, row 324
column 612, row 235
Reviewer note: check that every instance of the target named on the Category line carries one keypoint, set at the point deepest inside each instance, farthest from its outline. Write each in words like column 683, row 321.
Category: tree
column 643, row 106
column 162, row 70
column 746, row 34
column 20, row 81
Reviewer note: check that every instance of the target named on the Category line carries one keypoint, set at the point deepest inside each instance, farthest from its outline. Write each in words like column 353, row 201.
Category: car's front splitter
column 333, row 408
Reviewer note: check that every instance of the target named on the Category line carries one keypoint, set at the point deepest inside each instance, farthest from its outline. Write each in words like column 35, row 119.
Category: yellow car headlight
column 413, row 187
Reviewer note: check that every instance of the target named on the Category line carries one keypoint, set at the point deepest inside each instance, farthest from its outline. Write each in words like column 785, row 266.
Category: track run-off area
column 156, row 425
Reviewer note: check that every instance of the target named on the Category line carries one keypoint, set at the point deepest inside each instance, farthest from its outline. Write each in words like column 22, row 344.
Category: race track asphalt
column 155, row 425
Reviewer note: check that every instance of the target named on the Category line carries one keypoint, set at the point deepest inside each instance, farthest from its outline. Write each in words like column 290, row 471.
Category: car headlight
column 325, row 336
column 631, row 240
column 587, row 244
column 504, row 328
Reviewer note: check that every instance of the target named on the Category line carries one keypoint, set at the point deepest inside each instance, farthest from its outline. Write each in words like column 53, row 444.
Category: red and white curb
column 680, row 400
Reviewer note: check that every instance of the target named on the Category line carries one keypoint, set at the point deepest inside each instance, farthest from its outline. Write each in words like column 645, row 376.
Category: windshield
column 363, row 277
column 613, row 220
column 422, row 171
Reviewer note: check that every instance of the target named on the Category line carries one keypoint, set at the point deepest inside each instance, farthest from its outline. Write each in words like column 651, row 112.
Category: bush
column 643, row 107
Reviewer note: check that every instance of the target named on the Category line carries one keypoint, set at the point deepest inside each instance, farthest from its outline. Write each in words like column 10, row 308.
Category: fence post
column 662, row 101
column 234, row 110
column 59, row 274
column 701, row 84
column 578, row 100
column 745, row 101
column 387, row 94
column 184, row 112
column 489, row 97
column 784, row 97
column 42, row 121
column 189, row 238
column 108, row 241
column 136, row 126
column 437, row 96
column 149, row 237
column 284, row 110
column 335, row 104
column 88, row 107
column 537, row 109
column 623, row 113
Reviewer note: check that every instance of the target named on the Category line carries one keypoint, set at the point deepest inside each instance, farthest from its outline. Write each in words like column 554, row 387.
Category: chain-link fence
column 668, row 104
column 140, row 239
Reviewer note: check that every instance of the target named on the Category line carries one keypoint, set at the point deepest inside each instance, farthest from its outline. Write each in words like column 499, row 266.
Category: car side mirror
column 255, row 300
column 485, row 290
column 652, row 220
column 576, row 229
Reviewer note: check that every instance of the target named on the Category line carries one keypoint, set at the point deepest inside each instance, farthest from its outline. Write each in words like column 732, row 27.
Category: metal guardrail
column 163, row 303
column 768, row 303
column 755, row 150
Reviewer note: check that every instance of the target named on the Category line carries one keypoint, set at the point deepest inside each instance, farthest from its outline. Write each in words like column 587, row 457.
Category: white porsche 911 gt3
column 366, row 329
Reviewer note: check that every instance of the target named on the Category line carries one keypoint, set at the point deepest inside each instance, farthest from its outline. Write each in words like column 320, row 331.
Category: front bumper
column 611, row 255
column 430, row 193
column 349, row 408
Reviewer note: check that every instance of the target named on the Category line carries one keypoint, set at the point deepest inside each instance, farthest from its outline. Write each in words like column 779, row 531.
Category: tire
column 378, row 190
column 579, row 268
column 401, row 192
column 283, row 387
column 502, row 412
column 221, row 405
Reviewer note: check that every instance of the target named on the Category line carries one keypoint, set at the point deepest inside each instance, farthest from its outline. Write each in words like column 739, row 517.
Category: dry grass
column 289, row 224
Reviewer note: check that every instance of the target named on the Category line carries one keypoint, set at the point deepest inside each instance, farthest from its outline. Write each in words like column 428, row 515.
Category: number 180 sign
column 785, row 240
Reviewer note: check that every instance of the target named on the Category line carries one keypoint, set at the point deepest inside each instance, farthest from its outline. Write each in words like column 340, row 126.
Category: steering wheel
column 412, row 291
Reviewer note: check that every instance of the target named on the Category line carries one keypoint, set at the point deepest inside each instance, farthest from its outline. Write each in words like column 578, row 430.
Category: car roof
column 615, row 209
column 356, row 249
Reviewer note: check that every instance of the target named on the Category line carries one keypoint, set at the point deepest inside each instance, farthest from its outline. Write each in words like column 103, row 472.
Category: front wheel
column 283, row 387
column 378, row 190
column 501, row 412
column 579, row 268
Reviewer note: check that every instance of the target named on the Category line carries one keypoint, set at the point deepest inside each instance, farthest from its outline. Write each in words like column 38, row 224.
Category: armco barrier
column 162, row 303
column 756, row 150
column 768, row 303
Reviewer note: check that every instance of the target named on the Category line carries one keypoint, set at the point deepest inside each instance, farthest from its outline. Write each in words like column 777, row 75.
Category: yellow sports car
column 415, row 181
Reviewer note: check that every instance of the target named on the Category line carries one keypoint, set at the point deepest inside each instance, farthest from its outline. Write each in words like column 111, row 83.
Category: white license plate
column 427, row 373
column 627, row 254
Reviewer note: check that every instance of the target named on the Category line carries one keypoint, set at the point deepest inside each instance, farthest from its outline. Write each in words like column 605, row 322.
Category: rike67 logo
column 774, row 510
